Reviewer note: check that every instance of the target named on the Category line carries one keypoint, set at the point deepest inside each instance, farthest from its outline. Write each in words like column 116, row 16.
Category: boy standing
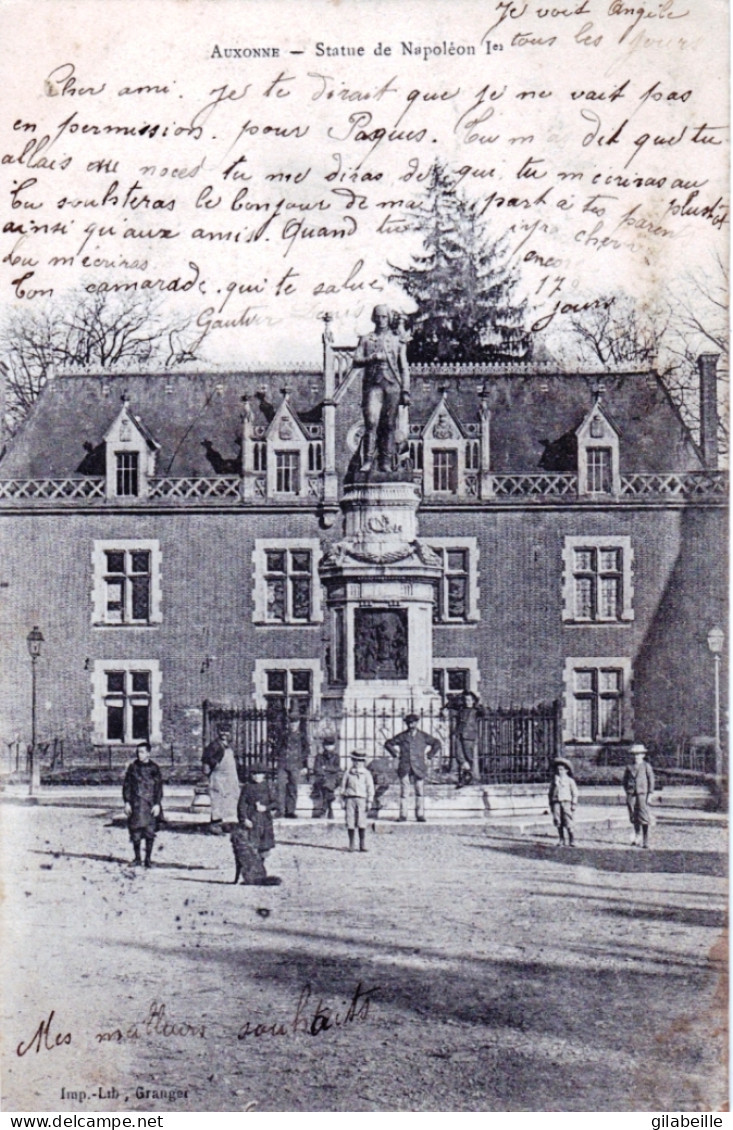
column 142, row 792
column 357, row 789
column 563, row 799
column 326, row 777
column 639, row 786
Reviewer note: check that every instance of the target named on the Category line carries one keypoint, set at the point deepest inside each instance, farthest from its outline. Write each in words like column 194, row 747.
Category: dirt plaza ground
column 452, row 968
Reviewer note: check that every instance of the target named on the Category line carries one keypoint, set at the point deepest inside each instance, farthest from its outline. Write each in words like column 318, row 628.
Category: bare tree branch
column 668, row 338
column 91, row 331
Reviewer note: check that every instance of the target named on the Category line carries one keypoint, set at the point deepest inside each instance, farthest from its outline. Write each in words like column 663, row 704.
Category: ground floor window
column 452, row 676
column 288, row 684
column 451, row 681
column 598, row 699
column 126, row 705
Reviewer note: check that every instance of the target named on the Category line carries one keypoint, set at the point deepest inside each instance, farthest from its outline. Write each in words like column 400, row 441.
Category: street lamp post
column 716, row 640
column 34, row 640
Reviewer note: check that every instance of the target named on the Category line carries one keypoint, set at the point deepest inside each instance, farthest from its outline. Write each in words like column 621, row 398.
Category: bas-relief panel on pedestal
column 380, row 643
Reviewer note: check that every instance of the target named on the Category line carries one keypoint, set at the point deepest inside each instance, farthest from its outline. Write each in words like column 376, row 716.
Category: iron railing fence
column 514, row 745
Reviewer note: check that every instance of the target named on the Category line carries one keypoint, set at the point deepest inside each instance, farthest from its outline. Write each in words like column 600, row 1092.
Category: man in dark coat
column 142, row 792
column 291, row 761
column 327, row 775
column 639, row 786
column 412, row 748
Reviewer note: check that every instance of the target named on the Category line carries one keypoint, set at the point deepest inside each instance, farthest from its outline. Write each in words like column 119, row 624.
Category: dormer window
column 130, row 455
column 598, row 454
column 473, row 455
column 315, row 455
column 284, row 459
column 449, row 461
column 128, row 473
column 259, row 456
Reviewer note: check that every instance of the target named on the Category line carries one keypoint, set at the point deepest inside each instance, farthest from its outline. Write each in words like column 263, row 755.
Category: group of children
column 253, row 837
column 638, row 785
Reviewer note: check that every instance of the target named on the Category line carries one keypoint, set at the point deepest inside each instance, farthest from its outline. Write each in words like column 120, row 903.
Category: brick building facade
column 165, row 530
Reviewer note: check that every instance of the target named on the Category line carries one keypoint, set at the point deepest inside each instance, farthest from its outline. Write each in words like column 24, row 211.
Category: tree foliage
column 93, row 332
column 462, row 284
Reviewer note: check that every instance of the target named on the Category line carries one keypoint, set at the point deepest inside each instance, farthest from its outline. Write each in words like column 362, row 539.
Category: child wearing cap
column 563, row 798
column 326, row 777
column 357, row 790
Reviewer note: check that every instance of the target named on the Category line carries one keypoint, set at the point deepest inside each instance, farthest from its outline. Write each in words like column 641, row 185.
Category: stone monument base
column 380, row 584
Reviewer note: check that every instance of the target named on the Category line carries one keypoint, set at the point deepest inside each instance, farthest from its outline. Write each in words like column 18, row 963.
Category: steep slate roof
column 531, row 411
column 181, row 412
column 196, row 418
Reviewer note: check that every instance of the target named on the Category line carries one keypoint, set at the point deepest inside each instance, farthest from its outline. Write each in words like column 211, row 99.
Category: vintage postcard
column 363, row 556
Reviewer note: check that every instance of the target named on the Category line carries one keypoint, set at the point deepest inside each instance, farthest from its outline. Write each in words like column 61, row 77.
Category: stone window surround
column 259, row 678
column 99, row 571
column 584, row 662
column 451, row 662
column 598, row 541
column 471, row 545
column 99, row 694
column 259, row 584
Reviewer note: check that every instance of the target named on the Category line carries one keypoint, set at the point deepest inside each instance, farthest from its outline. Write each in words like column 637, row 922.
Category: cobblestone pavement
column 450, row 968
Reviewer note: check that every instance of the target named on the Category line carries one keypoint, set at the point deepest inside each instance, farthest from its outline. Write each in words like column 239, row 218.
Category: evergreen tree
column 462, row 285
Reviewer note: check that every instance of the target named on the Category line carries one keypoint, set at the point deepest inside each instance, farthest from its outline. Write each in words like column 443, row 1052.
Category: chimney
column 707, row 364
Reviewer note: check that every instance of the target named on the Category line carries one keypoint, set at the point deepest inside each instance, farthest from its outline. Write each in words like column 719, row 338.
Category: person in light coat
column 639, row 786
column 563, row 799
column 357, row 791
column 220, row 766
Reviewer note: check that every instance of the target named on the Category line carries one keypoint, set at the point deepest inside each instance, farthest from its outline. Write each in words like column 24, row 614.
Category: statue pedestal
column 380, row 582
